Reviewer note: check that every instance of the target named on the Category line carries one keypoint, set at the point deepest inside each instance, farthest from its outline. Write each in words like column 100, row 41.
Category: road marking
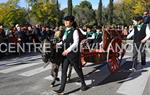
column 135, row 83
column 16, row 68
column 51, row 78
column 35, row 71
column 49, row 93
column 89, row 63
column 19, row 60
column 59, row 75
column 53, row 93
column 88, row 82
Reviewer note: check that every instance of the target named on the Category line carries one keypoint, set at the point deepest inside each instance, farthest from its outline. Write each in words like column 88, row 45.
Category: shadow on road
column 121, row 76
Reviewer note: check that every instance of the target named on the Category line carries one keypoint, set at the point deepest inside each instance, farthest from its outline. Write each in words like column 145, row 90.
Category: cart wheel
column 113, row 65
column 122, row 55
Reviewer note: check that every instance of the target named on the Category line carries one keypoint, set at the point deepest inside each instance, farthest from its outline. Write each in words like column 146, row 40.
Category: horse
column 51, row 55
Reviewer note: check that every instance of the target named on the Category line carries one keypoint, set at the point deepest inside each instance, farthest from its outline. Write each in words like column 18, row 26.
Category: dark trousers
column 77, row 68
column 139, row 48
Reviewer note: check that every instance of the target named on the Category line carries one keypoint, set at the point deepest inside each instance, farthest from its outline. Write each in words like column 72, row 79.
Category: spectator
column 2, row 40
column 36, row 34
column 146, row 17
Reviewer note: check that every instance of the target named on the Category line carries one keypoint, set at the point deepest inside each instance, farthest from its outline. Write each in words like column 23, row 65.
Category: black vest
column 73, row 56
column 98, row 38
column 89, row 34
column 69, row 39
column 139, row 35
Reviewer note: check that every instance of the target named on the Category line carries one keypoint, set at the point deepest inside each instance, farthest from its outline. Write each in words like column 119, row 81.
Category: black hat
column 89, row 26
column 138, row 18
column 69, row 18
column 98, row 27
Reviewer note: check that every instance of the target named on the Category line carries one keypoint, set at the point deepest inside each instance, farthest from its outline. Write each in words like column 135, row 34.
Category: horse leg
column 54, row 73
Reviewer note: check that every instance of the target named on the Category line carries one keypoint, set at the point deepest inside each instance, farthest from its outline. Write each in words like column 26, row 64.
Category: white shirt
column 75, row 40
column 147, row 33
column 84, row 33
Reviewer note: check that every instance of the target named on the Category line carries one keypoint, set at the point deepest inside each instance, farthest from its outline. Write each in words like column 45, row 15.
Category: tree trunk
column 111, row 12
column 99, row 13
column 69, row 7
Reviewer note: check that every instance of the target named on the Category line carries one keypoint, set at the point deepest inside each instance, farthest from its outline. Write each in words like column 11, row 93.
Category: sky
column 63, row 3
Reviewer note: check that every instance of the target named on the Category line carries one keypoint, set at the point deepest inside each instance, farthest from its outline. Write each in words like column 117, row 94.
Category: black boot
column 60, row 91
column 57, row 79
column 143, row 63
column 84, row 88
column 53, row 83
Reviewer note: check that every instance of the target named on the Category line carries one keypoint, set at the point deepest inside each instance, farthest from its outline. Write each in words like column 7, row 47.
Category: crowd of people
column 36, row 34
column 23, row 34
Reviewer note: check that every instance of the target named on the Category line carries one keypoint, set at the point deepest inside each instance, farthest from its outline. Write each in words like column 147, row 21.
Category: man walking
column 140, row 33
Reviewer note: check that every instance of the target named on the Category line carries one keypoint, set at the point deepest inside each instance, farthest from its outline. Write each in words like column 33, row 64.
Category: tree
column 99, row 13
column 86, row 4
column 111, row 11
column 126, row 10
column 84, row 14
column 147, row 5
column 45, row 12
column 31, row 2
column 69, row 7
column 57, row 5
column 11, row 13
column 137, row 7
column 59, row 14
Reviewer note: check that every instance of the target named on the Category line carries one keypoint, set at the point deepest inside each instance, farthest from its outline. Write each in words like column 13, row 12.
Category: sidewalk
column 147, row 91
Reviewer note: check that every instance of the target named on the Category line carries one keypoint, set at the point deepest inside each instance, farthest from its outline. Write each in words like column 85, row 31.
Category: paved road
column 26, row 76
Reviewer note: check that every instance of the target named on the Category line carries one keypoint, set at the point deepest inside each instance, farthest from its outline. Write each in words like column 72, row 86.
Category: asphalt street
column 26, row 76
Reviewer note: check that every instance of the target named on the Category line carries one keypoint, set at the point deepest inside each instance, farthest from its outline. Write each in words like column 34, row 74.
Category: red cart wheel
column 113, row 65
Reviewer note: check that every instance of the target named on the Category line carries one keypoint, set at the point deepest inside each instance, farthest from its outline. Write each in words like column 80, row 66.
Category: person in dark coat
column 44, row 34
column 36, row 34
column 30, row 34
column 146, row 17
column 2, row 40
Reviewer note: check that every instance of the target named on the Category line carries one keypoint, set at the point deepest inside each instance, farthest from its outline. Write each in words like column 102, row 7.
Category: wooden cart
column 111, row 51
